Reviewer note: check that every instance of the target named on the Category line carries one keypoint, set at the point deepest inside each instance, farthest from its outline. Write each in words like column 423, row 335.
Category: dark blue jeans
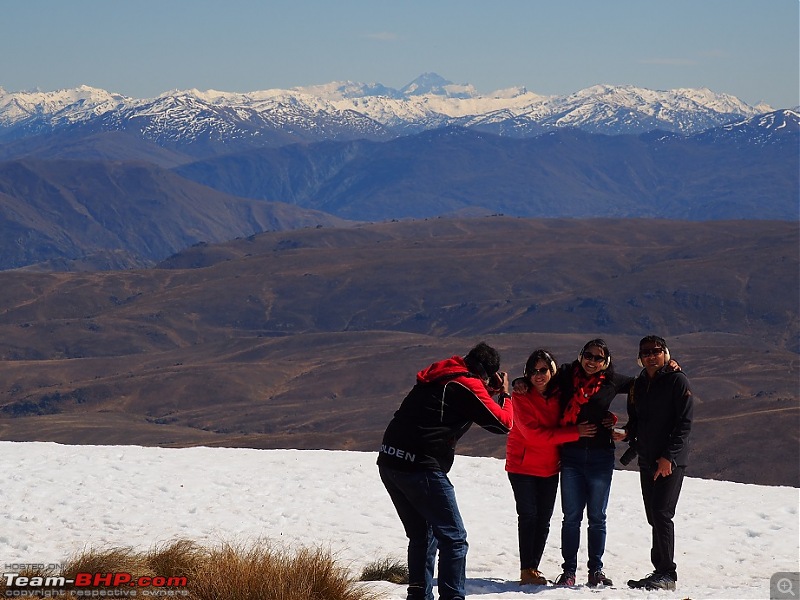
column 426, row 504
column 585, row 484
column 535, row 498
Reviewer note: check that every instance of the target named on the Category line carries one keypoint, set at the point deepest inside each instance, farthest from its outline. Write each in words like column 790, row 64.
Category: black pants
column 660, row 499
column 535, row 498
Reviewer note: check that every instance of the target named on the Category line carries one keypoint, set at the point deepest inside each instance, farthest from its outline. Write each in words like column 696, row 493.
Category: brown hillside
column 310, row 338
column 75, row 214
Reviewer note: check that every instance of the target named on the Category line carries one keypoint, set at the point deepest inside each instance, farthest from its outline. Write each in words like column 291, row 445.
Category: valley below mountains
column 310, row 338
column 111, row 201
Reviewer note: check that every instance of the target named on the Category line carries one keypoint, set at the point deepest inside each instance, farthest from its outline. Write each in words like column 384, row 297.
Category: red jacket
column 533, row 442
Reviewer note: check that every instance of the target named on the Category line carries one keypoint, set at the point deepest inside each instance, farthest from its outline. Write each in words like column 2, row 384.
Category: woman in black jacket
column 586, row 389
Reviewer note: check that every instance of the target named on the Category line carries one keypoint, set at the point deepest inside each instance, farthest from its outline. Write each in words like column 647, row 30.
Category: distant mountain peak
column 425, row 84
column 436, row 85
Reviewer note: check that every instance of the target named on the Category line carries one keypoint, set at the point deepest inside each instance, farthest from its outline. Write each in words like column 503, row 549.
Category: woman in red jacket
column 532, row 459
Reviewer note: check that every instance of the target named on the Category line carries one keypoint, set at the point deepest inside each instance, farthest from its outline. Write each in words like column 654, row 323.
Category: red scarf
column 583, row 387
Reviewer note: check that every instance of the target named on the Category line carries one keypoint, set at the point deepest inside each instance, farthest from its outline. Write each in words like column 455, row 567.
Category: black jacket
column 660, row 418
column 596, row 408
column 446, row 400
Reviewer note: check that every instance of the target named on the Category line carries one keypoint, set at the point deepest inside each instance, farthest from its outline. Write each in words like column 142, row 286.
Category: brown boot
column 531, row 577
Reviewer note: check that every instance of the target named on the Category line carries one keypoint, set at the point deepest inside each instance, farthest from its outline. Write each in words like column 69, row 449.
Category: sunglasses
column 651, row 352
column 593, row 357
column 541, row 371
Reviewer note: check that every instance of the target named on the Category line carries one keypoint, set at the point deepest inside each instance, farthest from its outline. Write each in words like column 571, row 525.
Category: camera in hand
column 628, row 456
column 495, row 383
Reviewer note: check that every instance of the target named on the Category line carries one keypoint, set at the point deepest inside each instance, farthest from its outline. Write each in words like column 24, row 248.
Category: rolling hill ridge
column 310, row 338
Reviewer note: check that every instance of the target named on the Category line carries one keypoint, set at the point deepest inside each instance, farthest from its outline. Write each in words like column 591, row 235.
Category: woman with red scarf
column 586, row 388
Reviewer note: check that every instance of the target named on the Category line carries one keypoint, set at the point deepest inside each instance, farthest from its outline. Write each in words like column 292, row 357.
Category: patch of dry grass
column 259, row 571
column 263, row 572
column 386, row 569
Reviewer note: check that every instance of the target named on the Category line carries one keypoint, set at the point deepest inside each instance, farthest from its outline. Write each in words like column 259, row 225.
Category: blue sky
column 141, row 48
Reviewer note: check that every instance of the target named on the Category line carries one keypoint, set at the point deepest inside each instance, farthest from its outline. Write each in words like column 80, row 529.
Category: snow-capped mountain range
column 348, row 110
column 204, row 163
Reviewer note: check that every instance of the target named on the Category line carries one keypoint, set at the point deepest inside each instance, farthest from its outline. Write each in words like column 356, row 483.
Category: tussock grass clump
column 267, row 573
column 256, row 572
column 386, row 569
column 176, row 559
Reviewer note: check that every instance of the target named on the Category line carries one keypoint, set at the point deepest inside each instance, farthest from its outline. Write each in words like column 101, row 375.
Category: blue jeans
column 585, row 484
column 426, row 504
column 535, row 498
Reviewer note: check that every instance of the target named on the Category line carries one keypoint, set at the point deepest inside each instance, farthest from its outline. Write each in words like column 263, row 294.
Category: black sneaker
column 640, row 583
column 565, row 580
column 598, row 578
column 655, row 581
column 660, row 581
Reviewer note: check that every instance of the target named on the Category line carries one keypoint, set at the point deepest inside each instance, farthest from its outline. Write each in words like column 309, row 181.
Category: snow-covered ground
column 57, row 500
